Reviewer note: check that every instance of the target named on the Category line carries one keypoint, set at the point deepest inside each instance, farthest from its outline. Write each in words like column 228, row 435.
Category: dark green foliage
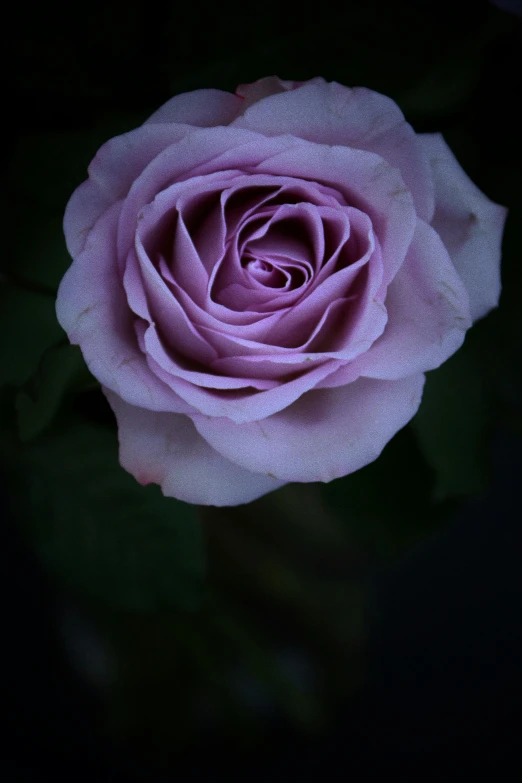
column 100, row 533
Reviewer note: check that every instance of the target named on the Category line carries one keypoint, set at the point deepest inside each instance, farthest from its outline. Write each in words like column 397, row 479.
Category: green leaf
column 453, row 421
column 453, row 78
column 28, row 326
column 61, row 368
column 263, row 666
column 43, row 257
column 442, row 88
column 387, row 505
column 100, row 533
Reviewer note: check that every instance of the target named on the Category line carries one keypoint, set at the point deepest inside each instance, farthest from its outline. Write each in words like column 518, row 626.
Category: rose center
column 267, row 273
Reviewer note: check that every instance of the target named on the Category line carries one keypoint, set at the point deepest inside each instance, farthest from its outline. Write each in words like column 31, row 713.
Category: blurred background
column 371, row 624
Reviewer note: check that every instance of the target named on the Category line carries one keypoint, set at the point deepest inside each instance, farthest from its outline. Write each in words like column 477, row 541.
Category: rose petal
column 299, row 326
column 357, row 332
column 111, row 173
column 155, row 349
column 243, row 404
column 261, row 190
column 215, row 317
column 469, row 224
column 269, row 85
column 178, row 217
column 428, row 314
column 325, row 434
column 92, row 308
column 294, row 231
column 366, row 181
column 363, row 178
column 195, row 155
column 166, row 449
column 152, row 300
column 330, row 113
column 203, row 108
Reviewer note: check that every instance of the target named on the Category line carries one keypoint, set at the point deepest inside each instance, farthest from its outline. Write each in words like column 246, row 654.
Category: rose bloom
column 260, row 281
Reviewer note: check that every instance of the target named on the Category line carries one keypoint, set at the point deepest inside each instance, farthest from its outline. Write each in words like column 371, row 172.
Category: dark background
column 444, row 688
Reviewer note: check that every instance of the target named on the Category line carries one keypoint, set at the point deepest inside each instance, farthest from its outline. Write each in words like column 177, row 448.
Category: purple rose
column 260, row 281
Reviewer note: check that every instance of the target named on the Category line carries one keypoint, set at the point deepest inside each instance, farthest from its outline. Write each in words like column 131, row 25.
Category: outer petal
column 121, row 159
column 428, row 313
column 203, row 108
column 242, row 405
column 270, row 85
column 469, row 224
column 325, row 434
column 330, row 113
column 111, row 173
column 199, row 153
column 92, row 308
column 166, row 449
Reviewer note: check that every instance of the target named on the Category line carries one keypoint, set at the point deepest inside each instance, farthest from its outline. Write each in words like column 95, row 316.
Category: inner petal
column 267, row 274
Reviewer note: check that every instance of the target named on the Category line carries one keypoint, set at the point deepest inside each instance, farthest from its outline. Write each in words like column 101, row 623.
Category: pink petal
column 329, row 113
column 166, row 449
column 325, row 434
column 469, row 224
column 92, row 308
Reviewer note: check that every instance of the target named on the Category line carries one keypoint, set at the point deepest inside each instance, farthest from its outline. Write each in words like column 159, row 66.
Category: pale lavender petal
column 325, row 434
column 283, row 254
column 244, row 404
column 92, row 308
column 151, row 299
column 166, row 449
column 330, row 113
column 366, row 181
column 177, row 216
column 340, row 319
column 269, row 85
column 204, row 222
column 295, row 232
column 212, row 316
column 280, row 368
column 202, row 108
column 428, row 313
column 469, row 224
column 337, row 336
column 261, row 189
column 174, row 367
column 198, row 153
column 111, row 173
